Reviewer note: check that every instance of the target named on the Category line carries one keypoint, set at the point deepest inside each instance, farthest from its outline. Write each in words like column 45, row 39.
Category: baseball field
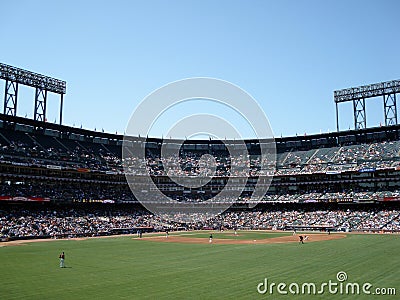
column 187, row 266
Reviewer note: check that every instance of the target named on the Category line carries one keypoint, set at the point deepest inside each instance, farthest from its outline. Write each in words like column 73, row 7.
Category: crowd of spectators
column 57, row 222
column 341, row 220
column 64, row 192
column 77, row 191
column 98, row 191
column 27, row 148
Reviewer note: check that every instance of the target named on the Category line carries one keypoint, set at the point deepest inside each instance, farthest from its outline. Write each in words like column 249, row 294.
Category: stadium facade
column 49, row 162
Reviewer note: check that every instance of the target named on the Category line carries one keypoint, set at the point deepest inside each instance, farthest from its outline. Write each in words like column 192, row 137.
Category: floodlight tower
column 43, row 84
column 358, row 95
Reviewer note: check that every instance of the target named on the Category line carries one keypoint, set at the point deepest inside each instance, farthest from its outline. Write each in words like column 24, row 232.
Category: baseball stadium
column 199, row 149
column 327, row 225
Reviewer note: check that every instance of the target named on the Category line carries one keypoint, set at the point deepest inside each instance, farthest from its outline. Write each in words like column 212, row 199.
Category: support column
column 10, row 98
column 337, row 117
column 40, row 105
column 61, row 108
column 389, row 104
column 360, row 121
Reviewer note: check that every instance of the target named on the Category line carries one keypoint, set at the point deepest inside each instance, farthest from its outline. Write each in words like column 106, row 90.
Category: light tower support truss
column 43, row 84
column 358, row 95
column 389, row 102
column 360, row 119
column 40, row 105
column 10, row 98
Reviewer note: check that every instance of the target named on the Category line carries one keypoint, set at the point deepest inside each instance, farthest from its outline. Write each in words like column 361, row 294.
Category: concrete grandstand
column 334, row 181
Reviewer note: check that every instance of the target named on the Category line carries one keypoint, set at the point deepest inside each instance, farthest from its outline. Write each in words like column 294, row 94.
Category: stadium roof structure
column 387, row 90
column 43, row 84
column 300, row 142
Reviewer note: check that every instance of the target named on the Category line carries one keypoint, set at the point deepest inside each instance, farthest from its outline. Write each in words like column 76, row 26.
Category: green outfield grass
column 123, row 268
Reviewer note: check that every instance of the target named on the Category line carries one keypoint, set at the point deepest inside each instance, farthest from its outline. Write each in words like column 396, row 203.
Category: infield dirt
column 315, row 237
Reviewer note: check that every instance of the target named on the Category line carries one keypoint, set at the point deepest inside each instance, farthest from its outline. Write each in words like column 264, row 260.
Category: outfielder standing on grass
column 62, row 258
column 210, row 241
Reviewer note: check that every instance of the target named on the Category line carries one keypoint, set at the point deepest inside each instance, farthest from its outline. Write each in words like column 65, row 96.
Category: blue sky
column 289, row 55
